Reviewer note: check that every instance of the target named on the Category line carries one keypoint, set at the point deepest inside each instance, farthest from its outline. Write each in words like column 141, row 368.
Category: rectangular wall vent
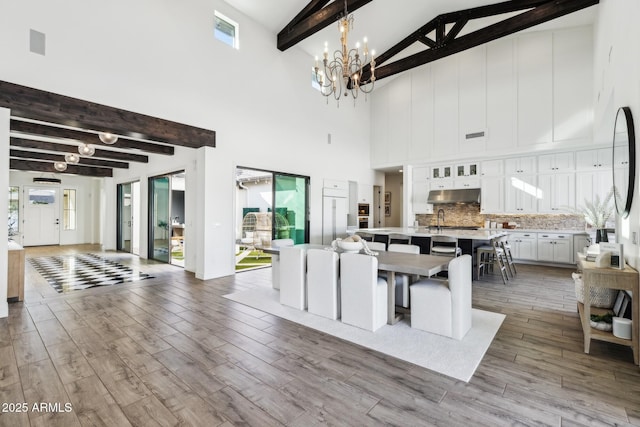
column 474, row 135
column 37, row 42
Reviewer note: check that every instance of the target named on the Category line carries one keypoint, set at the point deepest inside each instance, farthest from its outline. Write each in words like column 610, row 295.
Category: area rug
column 457, row 359
column 82, row 271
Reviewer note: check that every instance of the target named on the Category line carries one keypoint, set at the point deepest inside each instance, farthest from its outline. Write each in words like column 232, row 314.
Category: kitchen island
column 468, row 240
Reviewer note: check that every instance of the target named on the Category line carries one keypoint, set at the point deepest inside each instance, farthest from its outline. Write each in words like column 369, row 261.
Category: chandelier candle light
column 343, row 74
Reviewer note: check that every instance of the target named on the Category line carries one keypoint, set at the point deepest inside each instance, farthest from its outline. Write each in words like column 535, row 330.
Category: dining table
column 406, row 263
column 393, row 262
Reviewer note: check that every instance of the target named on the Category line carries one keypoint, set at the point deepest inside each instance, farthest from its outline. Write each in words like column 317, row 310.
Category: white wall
column 159, row 57
column 617, row 84
column 529, row 92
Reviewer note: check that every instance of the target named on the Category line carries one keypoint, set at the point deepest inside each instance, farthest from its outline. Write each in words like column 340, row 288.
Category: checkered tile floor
column 82, row 271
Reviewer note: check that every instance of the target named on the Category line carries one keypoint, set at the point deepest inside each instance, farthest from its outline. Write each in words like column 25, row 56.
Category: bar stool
column 396, row 238
column 365, row 236
column 445, row 246
column 504, row 243
column 489, row 256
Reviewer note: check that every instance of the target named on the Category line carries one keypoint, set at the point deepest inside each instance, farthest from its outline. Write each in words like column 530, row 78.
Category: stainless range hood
column 467, row 195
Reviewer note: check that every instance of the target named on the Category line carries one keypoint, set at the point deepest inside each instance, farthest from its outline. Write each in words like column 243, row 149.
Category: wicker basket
column 600, row 297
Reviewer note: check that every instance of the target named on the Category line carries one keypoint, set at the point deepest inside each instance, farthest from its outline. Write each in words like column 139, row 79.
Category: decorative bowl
column 350, row 246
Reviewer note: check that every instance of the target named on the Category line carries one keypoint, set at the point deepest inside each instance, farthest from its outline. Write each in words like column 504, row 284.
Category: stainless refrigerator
column 334, row 214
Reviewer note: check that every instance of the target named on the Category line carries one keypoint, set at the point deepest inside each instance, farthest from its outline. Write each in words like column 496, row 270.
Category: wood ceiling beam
column 36, row 166
column 30, row 103
column 87, row 138
column 291, row 35
column 313, row 7
column 87, row 161
column 69, row 148
column 542, row 11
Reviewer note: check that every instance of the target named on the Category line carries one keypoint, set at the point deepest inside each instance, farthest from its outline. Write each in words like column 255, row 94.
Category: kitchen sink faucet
column 438, row 219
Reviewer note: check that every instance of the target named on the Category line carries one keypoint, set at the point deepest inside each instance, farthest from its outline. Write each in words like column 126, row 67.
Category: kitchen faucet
column 438, row 220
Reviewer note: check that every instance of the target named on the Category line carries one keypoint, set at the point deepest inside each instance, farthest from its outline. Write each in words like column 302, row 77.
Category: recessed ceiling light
column 108, row 138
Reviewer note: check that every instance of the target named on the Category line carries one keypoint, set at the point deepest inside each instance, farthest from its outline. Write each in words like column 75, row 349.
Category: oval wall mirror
column 624, row 161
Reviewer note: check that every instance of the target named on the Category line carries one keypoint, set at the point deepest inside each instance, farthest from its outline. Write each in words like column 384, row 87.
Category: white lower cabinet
column 555, row 248
column 524, row 246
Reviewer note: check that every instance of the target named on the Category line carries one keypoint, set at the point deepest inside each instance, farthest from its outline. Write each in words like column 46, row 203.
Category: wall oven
column 363, row 222
column 363, row 209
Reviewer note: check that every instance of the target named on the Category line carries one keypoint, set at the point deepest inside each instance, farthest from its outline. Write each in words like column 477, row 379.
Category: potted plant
column 597, row 213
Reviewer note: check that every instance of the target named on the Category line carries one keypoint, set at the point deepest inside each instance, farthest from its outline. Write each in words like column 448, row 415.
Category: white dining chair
column 444, row 307
column 275, row 260
column 323, row 287
column 293, row 286
column 363, row 293
column 376, row 246
column 403, row 280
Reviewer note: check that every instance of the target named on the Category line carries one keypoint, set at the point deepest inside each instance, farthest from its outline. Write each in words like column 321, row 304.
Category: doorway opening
column 269, row 205
column 167, row 218
column 129, row 217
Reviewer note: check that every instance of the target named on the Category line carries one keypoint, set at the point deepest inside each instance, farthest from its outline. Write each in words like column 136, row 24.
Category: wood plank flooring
column 171, row 351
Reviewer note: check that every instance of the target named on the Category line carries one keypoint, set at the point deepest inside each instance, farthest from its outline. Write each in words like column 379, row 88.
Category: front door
column 41, row 216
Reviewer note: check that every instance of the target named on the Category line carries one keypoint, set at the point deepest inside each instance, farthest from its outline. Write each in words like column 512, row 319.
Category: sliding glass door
column 129, row 217
column 290, row 207
column 159, row 218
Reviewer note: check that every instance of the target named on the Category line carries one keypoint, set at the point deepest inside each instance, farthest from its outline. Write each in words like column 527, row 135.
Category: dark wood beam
column 69, row 148
column 545, row 11
column 87, row 138
column 87, row 161
column 36, row 166
column 50, row 107
column 329, row 14
column 313, row 7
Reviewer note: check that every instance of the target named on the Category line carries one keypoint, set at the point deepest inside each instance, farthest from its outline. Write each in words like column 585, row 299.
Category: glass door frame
column 273, row 197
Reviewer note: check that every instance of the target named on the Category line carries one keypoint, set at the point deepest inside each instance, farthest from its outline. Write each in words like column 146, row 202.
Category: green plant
column 598, row 212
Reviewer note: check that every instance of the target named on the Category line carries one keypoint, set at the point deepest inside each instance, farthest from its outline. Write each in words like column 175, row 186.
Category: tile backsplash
column 468, row 215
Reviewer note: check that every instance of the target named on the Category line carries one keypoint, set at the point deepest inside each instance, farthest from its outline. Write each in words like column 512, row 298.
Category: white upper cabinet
column 400, row 120
column 573, row 85
column 502, row 112
column 473, row 100
column 441, row 172
column 467, row 170
column 420, row 174
column 492, row 168
column 557, row 162
column 591, row 160
column 421, row 113
column 492, row 194
column 521, row 194
column 557, row 193
column 592, row 184
column 365, row 193
column 379, row 126
column 520, row 165
column 446, row 106
column 535, row 88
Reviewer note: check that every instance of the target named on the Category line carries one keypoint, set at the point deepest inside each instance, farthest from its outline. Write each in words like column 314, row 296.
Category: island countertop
column 486, row 234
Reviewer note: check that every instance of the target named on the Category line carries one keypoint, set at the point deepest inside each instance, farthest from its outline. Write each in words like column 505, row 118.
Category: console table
column 15, row 276
column 612, row 278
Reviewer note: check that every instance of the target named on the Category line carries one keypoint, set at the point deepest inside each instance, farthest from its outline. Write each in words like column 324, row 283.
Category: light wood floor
column 171, row 351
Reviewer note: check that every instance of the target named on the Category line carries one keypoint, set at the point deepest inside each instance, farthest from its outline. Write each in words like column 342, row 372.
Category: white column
column 4, row 207
column 215, row 234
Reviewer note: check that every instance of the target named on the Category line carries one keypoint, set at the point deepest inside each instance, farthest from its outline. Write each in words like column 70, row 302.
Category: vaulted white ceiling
column 383, row 22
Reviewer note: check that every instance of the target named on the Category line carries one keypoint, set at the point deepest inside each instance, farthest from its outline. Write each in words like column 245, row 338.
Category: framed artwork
column 387, row 197
column 387, row 209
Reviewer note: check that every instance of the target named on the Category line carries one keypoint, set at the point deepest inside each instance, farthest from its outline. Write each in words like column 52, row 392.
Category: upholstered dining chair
column 444, row 307
column 293, row 283
column 377, row 246
column 323, row 287
column 403, row 280
column 275, row 261
column 363, row 293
